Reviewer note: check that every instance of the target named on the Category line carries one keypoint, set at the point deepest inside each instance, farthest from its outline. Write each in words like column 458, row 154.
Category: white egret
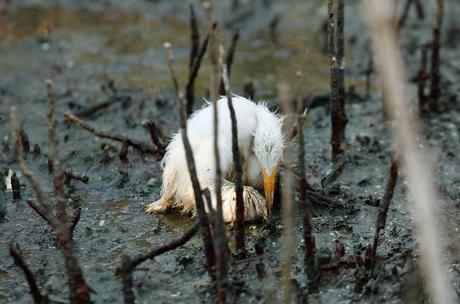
column 261, row 143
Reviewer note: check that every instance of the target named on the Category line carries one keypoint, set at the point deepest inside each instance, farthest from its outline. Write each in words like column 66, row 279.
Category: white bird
column 261, row 142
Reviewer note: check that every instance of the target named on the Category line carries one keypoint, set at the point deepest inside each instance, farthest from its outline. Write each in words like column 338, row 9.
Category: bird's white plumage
column 260, row 142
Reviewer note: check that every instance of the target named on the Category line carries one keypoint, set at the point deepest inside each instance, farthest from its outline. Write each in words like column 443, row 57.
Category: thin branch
column 200, row 209
column 74, row 219
column 288, row 200
column 125, row 271
column 239, row 236
column 40, row 211
column 69, row 175
column 79, row 291
column 33, row 286
column 337, row 61
column 188, row 234
column 421, row 79
column 229, row 60
column 194, row 37
column 58, row 174
column 435, row 90
column 383, row 211
column 190, row 88
column 136, row 144
column 405, row 134
column 305, row 205
column 42, row 198
column 155, row 136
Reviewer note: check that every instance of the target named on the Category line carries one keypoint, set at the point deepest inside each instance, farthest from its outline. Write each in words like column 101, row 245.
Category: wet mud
column 112, row 51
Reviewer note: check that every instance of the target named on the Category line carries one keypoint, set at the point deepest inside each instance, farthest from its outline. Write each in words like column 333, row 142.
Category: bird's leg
column 162, row 205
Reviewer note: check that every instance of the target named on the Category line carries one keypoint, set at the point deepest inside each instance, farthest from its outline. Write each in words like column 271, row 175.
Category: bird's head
column 268, row 148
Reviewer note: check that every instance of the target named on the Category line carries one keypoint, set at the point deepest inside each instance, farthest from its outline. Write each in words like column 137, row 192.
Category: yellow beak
column 269, row 186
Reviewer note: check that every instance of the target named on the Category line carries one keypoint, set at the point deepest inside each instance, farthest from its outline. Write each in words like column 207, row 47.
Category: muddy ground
column 80, row 45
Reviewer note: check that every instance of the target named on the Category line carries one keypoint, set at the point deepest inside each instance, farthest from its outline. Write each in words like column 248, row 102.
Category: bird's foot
column 160, row 206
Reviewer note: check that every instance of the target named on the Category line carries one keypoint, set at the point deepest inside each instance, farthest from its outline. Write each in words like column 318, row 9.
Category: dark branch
column 383, row 211
column 136, row 144
column 229, row 60
column 200, row 209
column 34, row 290
column 239, row 236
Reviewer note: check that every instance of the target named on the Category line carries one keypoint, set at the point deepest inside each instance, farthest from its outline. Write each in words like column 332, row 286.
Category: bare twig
column 220, row 239
column 40, row 211
column 383, row 211
column 421, row 80
column 139, row 145
column 79, row 290
column 24, row 140
column 212, row 52
column 435, row 77
column 200, row 210
column 69, row 175
column 404, row 14
column 155, row 136
column 288, row 201
column 337, row 65
column 74, row 219
column 194, row 36
column 15, row 187
column 405, row 133
column 229, row 60
column 193, row 72
column 239, row 236
column 58, row 174
column 33, row 286
column 125, row 271
column 369, row 71
column 305, row 205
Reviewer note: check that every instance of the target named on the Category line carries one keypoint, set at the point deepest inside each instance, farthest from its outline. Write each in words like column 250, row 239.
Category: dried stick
column 193, row 71
column 74, row 219
column 33, row 286
column 79, row 290
column 128, row 265
column 305, row 205
column 435, row 77
column 69, row 175
column 15, row 187
column 421, row 80
column 155, row 136
column 338, row 115
column 141, row 146
column 168, row 247
column 419, row 9
column 24, row 140
column 125, row 272
column 220, row 239
column 383, row 210
column 337, row 132
column 369, row 71
column 229, row 60
column 239, row 236
column 405, row 13
column 58, row 174
column 194, row 36
column 200, row 210
column 405, row 133
column 288, row 201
